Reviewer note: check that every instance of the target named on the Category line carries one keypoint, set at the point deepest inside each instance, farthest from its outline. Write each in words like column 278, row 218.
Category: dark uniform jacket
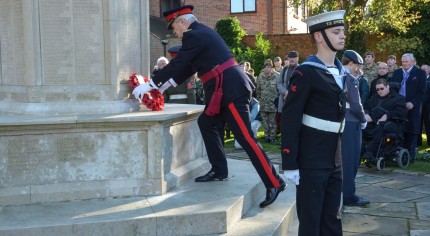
column 394, row 105
column 415, row 91
column 312, row 91
column 202, row 50
column 355, row 112
column 363, row 88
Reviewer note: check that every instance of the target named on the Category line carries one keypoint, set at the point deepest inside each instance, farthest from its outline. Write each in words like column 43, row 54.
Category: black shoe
column 272, row 194
column 211, row 176
column 360, row 202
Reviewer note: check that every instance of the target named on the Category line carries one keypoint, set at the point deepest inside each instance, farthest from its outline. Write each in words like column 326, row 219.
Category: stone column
column 61, row 57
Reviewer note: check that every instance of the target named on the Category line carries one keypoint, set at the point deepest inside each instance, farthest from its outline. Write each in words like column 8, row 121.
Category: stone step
column 191, row 209
column 280, row 218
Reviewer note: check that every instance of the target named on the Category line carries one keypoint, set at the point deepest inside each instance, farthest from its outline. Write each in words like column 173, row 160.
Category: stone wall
column 64, row 158
column 70, row 57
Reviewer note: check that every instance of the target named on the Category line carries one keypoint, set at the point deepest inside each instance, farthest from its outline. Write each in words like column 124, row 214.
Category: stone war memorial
column 69, row 129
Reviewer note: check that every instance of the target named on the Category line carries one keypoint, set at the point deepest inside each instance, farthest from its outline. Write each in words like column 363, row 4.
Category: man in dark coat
column 312, row 121
column 412, row 86
column 227, row 93
column 386, row 105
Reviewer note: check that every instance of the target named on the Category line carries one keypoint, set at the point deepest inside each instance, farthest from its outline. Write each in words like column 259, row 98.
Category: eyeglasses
column 383, row 68
column 379, row 89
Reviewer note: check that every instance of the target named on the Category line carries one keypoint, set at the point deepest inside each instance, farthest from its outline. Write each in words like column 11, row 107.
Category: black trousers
column 236, row 115
column 318, row 202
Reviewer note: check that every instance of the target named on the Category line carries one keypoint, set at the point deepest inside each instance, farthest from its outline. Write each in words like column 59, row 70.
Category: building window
column 168, row 4
column 242, row 6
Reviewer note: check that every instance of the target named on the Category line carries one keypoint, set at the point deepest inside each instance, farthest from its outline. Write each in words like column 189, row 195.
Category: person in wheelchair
column 383, row 110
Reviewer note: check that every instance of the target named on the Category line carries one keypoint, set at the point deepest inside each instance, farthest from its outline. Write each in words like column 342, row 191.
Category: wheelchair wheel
column 380, row 165
column 403, row 158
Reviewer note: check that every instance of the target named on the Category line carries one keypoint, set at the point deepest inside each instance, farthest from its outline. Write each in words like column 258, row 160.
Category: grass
column 421, row 165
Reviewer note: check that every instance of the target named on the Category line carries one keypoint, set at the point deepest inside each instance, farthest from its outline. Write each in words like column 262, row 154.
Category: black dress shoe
column 211, row 176
column 360, row 202
column 272, row 194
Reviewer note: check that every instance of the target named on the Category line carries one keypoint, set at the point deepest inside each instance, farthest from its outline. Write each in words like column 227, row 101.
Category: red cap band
column 174, row 15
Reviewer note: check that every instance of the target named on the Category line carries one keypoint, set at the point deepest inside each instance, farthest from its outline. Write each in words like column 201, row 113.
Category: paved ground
column 400, row 202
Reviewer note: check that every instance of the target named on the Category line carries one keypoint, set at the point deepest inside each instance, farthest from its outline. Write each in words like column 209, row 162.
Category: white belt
column 324, row 125
column 178, row 96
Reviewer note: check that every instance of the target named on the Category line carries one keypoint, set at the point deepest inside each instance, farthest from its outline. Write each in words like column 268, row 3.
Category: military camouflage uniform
column 267, row 91
column 370, row 73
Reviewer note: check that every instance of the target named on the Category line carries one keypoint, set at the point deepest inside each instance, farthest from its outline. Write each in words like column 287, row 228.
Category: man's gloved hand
column 293, row 175
column 140, row 90
column 363, row 125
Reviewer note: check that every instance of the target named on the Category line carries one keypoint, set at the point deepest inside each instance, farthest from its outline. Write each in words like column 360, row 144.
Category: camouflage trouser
column 269, row 124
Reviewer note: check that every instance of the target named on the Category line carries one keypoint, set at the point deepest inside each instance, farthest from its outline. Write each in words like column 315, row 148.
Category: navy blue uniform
column 351, row 140
column 313, row 92
column 202, row 50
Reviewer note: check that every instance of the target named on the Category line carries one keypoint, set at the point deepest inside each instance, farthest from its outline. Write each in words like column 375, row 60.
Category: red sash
column 214, row 105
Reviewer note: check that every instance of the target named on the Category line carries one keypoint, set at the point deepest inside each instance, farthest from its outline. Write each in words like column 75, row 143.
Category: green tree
column 372, row 17
column 230, row 30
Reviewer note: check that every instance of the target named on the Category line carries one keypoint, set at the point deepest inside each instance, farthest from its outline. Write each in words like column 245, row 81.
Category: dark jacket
column 202, row 50
column 363, row 88
column 394, row 105
column 415, row 91
column 312, row 91
column 355, row 111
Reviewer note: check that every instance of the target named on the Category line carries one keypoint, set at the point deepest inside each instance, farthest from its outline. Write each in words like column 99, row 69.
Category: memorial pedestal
column 62, row 158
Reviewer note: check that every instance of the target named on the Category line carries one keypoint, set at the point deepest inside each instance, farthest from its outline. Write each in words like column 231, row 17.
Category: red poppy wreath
column 153, row 100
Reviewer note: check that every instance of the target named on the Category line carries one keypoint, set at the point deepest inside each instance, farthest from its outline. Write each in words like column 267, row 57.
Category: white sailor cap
column 325, row 20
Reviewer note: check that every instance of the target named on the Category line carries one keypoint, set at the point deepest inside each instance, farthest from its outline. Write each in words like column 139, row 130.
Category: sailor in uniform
column 355, row 121
column 227, row 96
column 312, row 122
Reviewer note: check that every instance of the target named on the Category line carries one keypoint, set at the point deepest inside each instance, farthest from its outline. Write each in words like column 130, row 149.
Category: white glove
column 141, row 89
column 363, row 125
column 293, row 175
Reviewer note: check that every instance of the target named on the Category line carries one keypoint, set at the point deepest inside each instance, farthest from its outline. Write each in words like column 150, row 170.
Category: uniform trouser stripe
column 250, row 140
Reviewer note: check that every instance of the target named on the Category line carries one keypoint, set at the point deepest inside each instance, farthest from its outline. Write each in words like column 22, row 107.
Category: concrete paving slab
column 374, row 225
column 423, row 188
column 395, row 184
column 404, row 210
column 419, row 225
column 423, row 199
column 380, row 194
column 423, row 210
column 369, row 179
column 420, row 232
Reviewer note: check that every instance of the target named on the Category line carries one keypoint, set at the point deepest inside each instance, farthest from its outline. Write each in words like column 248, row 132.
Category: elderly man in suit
column 412, row 86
